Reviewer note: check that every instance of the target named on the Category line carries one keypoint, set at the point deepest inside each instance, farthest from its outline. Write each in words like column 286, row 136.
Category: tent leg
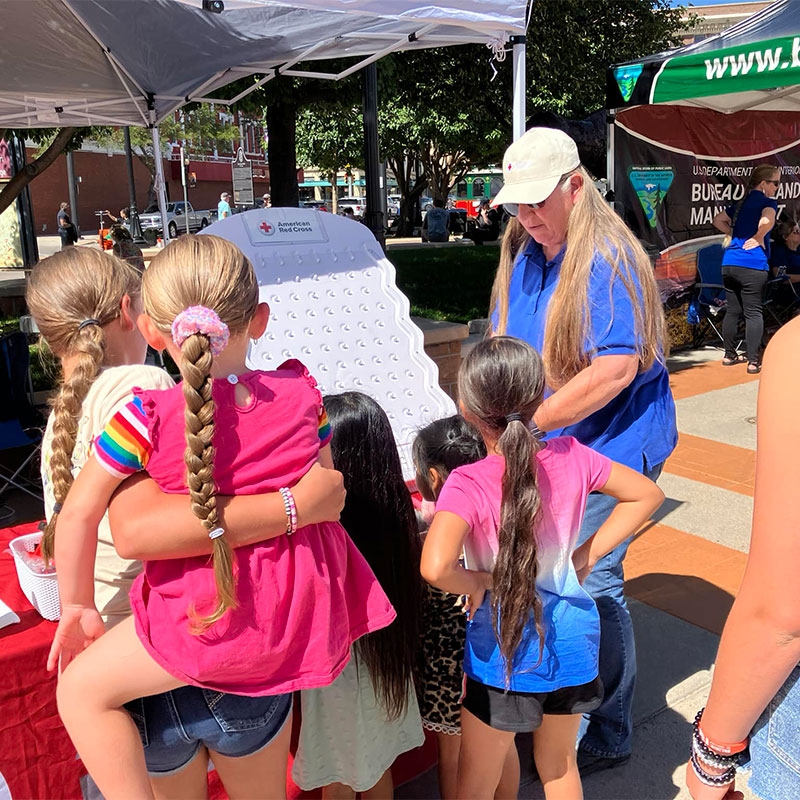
column 520, row 113
column 610, row 150
column 374, row 216
column 161, row 188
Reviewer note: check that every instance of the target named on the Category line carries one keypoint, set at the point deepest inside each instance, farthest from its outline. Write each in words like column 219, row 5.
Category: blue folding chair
column 708, row 299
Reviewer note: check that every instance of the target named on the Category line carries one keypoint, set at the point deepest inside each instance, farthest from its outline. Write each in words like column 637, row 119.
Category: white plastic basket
column 41, row 590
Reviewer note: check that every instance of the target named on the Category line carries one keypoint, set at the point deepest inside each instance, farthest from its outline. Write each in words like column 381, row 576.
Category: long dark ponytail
column 501, row 384
column 379, row 517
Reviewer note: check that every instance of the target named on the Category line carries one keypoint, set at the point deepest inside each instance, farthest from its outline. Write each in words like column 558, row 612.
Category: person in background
column 66, row 230
column 122, row 219
column 576, row 284
column 784, row 262
column 486, row 227
column 436, row 225
column 755, row 693
column 224, row 207
column 348, row 213
column 125, row 248
column 745, row 263
column 267, row 200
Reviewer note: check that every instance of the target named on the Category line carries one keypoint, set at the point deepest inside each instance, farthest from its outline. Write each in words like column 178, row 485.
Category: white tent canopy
column 134, row 62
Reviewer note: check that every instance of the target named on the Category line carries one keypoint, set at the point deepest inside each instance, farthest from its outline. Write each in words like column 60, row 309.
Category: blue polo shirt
column 782, row 256
column 639, row 424
column 745, row 225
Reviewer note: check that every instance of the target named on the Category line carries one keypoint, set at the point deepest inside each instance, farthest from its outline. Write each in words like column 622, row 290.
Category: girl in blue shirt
column 745, row 263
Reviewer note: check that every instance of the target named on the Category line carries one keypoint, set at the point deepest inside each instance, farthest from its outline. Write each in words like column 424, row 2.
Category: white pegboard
column 335, row 307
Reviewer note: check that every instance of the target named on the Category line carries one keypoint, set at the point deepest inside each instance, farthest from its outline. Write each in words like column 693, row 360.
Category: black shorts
column 521, row 712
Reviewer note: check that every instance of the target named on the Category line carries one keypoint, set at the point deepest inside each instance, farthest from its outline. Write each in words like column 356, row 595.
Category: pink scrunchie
column 199, row 319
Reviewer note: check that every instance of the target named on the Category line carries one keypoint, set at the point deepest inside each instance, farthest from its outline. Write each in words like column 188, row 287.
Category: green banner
column 768, row 64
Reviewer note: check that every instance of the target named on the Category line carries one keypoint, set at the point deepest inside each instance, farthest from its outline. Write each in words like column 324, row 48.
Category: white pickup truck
column 177, row 213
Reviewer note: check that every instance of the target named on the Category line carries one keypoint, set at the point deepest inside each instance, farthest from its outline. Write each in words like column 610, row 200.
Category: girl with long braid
column 531, row 655
column 262, row 620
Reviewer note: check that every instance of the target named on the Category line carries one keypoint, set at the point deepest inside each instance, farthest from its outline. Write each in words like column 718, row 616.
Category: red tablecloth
column 36, row 756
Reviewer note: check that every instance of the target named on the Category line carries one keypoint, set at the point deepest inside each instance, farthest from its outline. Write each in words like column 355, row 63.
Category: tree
column 437, row 113
column 330, row 137
column 52, row 141
column 575, row 42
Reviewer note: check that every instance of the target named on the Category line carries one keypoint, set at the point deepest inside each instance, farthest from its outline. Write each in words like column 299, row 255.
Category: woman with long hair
column 576, row 284
column 745, row 263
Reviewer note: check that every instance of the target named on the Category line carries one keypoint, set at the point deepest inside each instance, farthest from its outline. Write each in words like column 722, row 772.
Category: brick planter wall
column 443, row 345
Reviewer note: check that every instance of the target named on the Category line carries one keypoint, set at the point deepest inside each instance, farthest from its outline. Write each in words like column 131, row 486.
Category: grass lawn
column 449, row 283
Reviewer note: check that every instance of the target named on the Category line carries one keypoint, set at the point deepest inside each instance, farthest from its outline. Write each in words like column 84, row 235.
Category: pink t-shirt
column 303, row 599
column 567, row 472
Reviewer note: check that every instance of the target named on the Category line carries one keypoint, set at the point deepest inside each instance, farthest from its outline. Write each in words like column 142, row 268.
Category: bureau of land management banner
column 676, row 167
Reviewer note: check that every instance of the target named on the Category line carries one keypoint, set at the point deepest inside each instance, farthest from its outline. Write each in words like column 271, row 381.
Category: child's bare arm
column 75, row 551
column 440, row 560
column 148, row 524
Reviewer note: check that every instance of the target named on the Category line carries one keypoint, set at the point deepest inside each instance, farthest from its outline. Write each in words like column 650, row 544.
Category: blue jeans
column 608, row 730
column 174, row 726
column 774, row 748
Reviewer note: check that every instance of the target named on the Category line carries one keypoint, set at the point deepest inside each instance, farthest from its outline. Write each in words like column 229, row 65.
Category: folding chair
column 18, row 420
column 708, row 298
column 781, row 302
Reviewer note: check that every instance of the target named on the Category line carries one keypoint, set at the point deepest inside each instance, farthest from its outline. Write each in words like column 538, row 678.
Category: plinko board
column 335, row 307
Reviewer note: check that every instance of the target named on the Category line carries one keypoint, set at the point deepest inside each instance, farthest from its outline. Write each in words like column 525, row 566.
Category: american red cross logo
column 266, row 228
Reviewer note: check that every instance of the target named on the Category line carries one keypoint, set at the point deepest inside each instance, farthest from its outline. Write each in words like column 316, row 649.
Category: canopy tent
column 135, row 62
column 753, row 64
column 689, row 125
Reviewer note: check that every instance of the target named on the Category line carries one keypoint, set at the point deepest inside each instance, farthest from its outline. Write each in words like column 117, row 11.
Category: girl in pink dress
column 261, row 620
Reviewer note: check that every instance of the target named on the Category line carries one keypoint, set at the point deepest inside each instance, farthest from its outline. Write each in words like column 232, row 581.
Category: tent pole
column 374, row 215
column 610, row 150
column 520, row 114
column 161, row 187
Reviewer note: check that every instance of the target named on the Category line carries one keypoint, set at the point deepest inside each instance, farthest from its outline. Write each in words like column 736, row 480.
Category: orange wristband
column 722, row 748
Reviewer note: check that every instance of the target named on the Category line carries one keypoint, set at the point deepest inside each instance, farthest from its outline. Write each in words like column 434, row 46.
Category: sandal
column 729, row 362
column 753, row 368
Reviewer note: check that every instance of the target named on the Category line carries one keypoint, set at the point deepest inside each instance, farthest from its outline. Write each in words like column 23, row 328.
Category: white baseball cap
column 534, row 164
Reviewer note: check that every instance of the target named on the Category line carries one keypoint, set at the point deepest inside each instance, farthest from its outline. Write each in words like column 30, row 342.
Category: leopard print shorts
column 445, row 628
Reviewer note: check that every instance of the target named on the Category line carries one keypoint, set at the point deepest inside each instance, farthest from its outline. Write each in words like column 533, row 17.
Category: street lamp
column 136, row 226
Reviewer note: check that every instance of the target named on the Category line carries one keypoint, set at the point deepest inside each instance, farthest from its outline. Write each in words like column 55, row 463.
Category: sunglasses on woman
column 513, row 208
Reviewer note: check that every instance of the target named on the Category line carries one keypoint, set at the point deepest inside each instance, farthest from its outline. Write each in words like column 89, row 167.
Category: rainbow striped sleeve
column 324, row 428
column 124, row 446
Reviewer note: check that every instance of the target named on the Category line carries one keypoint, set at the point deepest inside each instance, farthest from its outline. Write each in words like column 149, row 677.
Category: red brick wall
column 104, row 185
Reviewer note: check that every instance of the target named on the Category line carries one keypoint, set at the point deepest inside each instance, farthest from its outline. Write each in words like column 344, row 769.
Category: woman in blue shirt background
column 745, row 263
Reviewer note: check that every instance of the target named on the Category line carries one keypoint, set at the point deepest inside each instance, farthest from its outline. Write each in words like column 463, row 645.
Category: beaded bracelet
column 291, row 510
column 729, row 776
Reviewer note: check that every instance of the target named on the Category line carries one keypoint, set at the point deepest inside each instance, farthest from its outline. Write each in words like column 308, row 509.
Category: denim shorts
column 173, row 726
column 775, row 745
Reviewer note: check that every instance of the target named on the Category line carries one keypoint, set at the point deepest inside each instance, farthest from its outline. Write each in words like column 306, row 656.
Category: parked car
column 177, row 212
column 320, row 205
column 358, row 204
